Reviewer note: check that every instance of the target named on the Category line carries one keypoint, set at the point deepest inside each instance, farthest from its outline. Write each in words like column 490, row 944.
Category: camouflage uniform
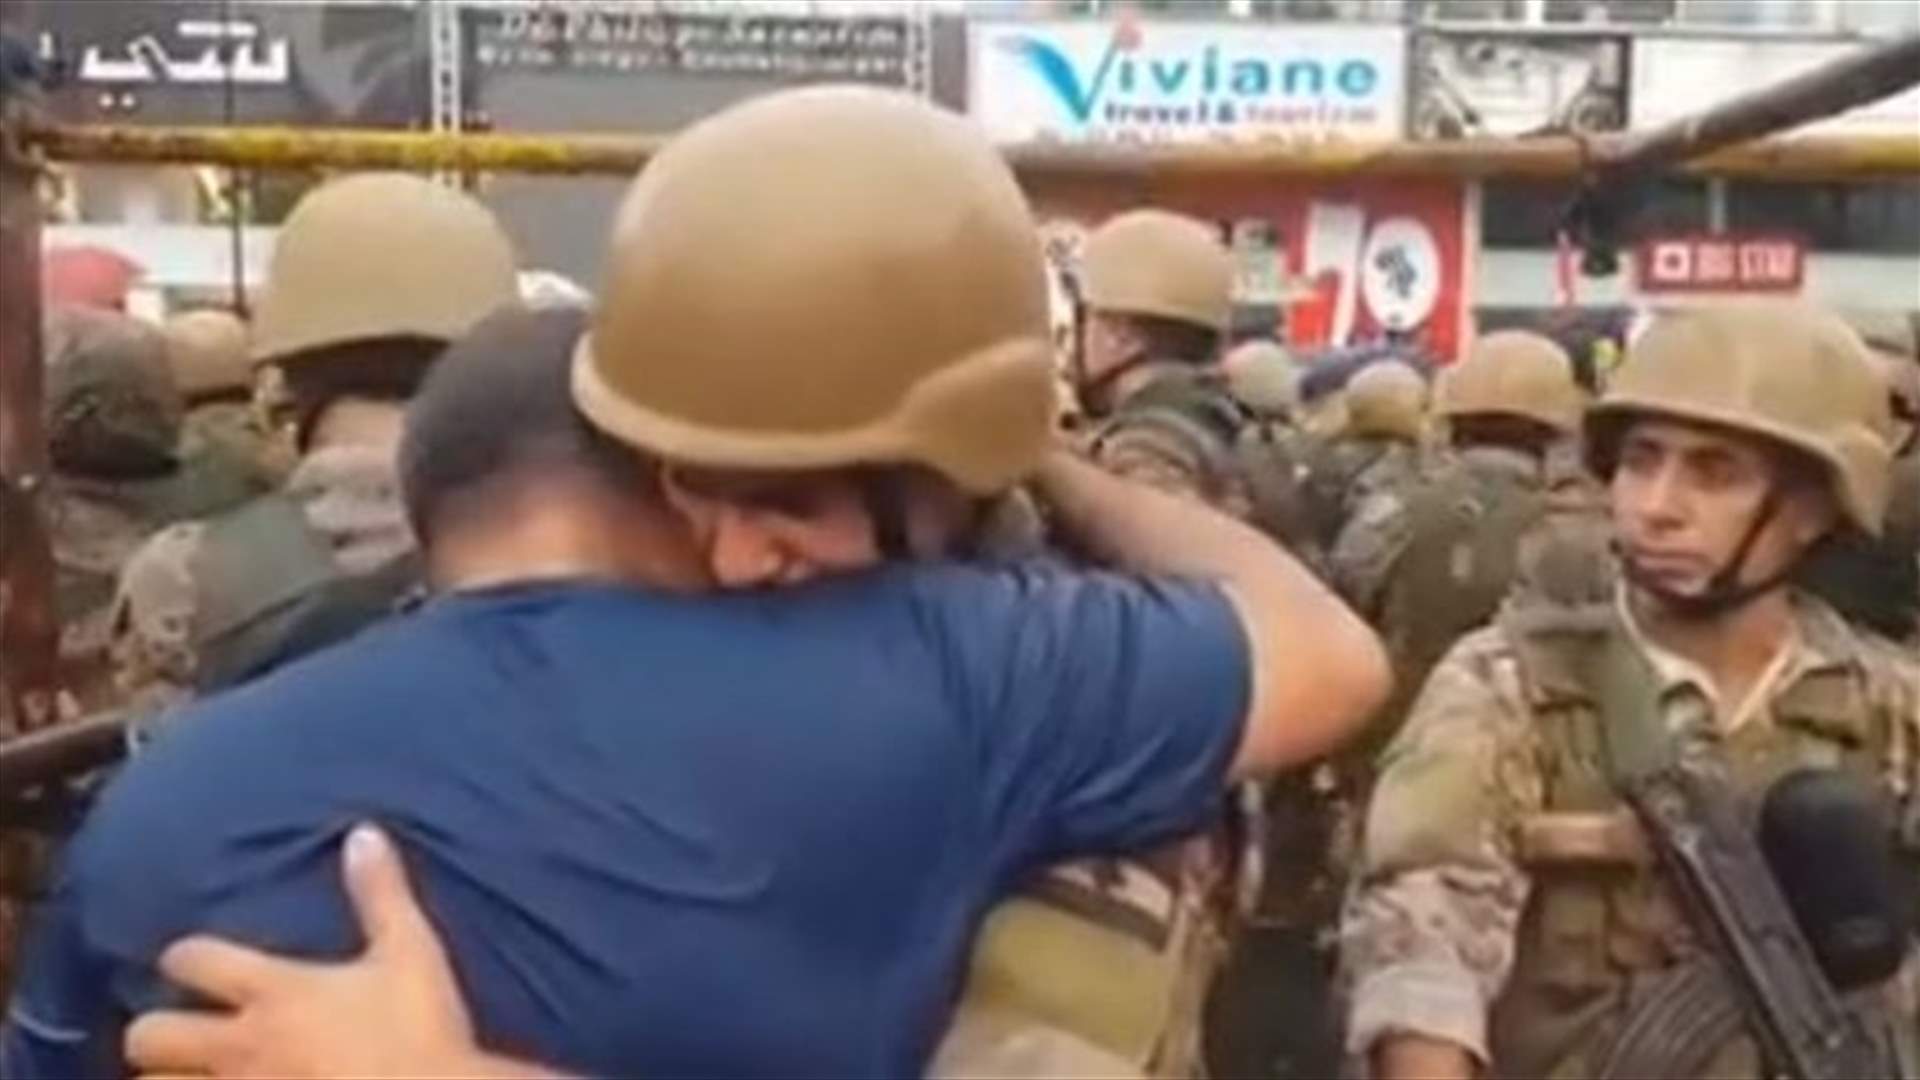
column 348, row 495
column 1469, row 926
column 1428, row 562
column 207, row 351
column 1182, row 460
column 231, row 432
column 1507, row 900
column 1376, row 536
column 1378, row 450
column 214, row 601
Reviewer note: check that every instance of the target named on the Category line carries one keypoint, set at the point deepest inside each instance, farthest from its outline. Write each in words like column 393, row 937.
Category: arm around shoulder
column 1318, row 672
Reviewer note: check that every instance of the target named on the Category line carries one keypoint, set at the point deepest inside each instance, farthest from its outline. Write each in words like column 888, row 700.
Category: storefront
column 1320, row 263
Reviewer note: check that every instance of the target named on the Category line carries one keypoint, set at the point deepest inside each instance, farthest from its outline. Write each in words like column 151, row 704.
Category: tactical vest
column 1604, row 947
column 227, row 433
column 1115, row 953
column 1338, row 473
column 269, row 591
column 1465, row 527
column 96, row 525
column 1249, row 464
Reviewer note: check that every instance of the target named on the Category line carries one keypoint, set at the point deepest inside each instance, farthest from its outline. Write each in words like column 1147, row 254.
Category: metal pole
column 1543, row 157
column 29, row 625
column 1860, row 77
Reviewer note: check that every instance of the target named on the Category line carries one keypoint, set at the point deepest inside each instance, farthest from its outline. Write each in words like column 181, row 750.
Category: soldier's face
column 1685, row 497
column 765, row 530
column 1107, row 344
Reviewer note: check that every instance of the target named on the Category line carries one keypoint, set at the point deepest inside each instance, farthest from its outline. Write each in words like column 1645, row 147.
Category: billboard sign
column 622, row 38
column 1092, row 81
column 1505, row 84
column 1675, row 77
column 189, row 61
column 1721, row 262
column 1345, row 266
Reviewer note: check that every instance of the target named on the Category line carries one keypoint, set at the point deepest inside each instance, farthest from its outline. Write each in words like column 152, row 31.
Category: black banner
column 624, row 38
column 276, row 61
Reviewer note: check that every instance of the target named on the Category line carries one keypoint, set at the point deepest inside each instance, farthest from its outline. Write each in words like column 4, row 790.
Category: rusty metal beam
column 72, row 749
column 1855, row 78
column 1543, row 157
column 29, row 625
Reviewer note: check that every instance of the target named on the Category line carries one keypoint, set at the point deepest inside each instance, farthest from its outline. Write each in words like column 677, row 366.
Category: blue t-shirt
column 750, row 834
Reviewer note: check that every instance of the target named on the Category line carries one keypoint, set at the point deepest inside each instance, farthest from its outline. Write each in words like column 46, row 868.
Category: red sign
column 1345, row 264
column 1702, row 262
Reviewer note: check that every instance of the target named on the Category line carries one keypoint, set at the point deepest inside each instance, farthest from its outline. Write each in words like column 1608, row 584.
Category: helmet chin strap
column 1724, row 592
column 1096, row 393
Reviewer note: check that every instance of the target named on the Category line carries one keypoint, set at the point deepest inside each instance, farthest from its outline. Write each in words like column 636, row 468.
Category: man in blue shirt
column 743, row 819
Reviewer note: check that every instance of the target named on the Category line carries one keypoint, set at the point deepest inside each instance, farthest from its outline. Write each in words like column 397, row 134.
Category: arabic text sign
column 288, row 61
column 1185, row 81
column 1721, row 263
column 216, row 52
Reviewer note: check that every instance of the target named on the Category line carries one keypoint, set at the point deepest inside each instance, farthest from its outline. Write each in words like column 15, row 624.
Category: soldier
column 1876, row 582
column 207, row 349
column 1427, row 562
column 372, row 276
column 1507, row 918
column 114, row 416
column 1156, row 294
column 1265, row 378
column 1377, row 446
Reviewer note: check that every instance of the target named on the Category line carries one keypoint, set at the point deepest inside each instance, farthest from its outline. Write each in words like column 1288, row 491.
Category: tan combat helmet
column 1166, row 265
column 208, row 352
column 1902, row 377
column 112, row 407
column 1890, row 333
column 1513, row 373
column 1782, row 371
column 1387, row 398
column 1264, row 377
column 380, row 256
column 1890, row 338
column 821, row 278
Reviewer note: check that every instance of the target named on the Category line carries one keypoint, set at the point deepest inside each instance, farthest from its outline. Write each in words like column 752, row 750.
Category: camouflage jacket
column 1130, row 444
column 1342, row 474
column 1476, row 919
column 349, row 495
column 96, row 526
column 231, row 431
column 1373, row 539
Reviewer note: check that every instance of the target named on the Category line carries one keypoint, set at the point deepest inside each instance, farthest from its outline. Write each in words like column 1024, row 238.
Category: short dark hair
column 498, row 410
